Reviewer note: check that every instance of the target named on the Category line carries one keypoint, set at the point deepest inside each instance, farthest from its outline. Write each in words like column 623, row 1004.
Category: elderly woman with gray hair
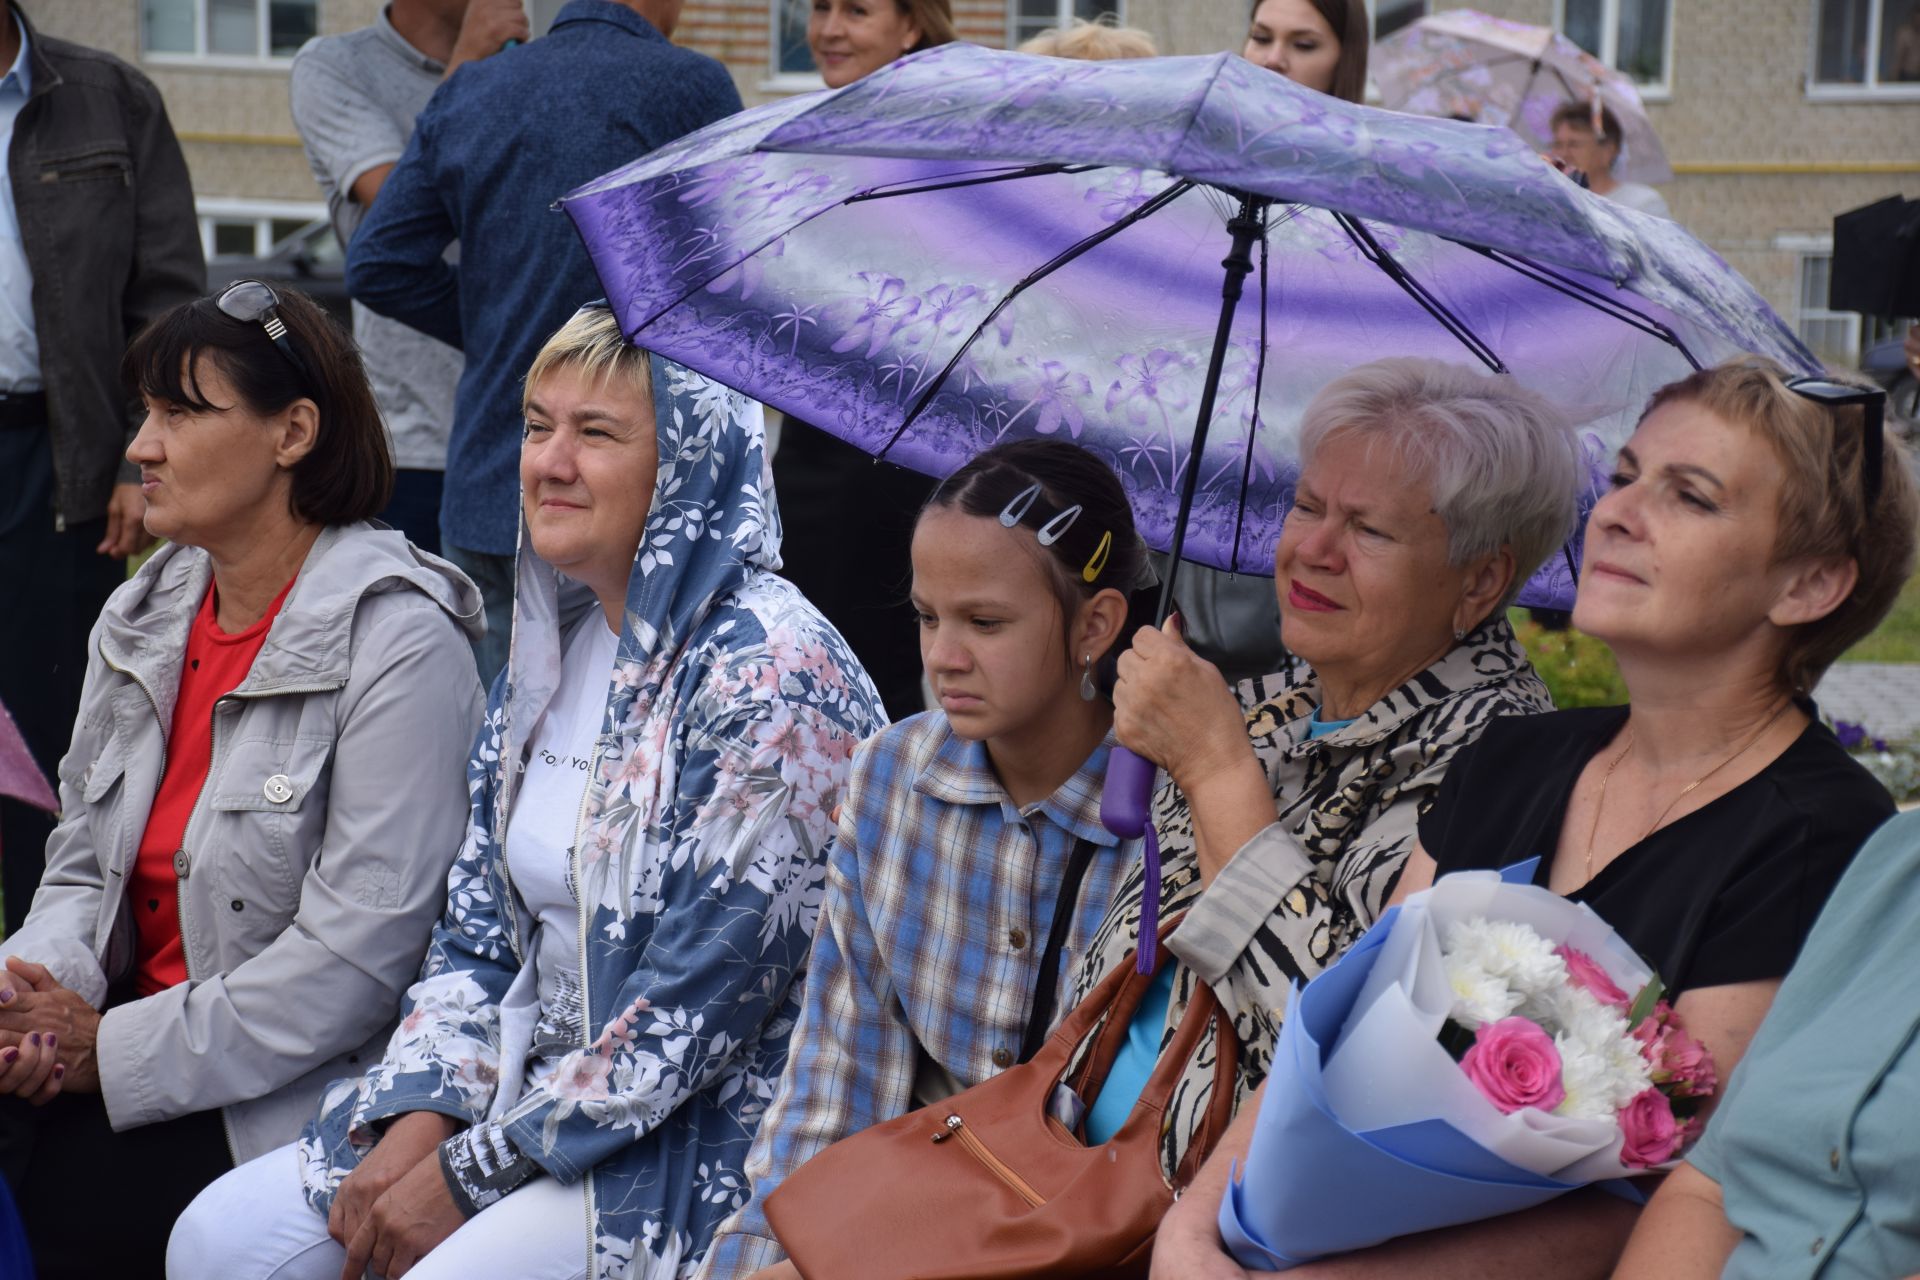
column 1428, row 494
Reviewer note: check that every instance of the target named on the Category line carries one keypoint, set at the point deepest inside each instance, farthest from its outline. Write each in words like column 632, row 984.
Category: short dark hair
column 1348, row 21
column 1581, row 114
column 1102, row 538
column 348, row 475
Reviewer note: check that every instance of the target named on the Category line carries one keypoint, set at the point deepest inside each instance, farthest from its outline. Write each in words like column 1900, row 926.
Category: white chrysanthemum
column 1511, row 952
column 1478, row 997
column 1587, row 1079
column 1612, row 1068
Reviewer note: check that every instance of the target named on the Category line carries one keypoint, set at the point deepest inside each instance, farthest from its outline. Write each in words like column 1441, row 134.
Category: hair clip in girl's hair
column 1055, row 529
column 1017, row 507
column 1098, row 560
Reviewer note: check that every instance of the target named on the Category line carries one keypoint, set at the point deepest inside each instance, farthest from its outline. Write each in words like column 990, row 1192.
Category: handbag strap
column 1046, row 989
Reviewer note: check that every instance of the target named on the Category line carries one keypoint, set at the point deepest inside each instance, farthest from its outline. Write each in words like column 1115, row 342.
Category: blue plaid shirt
column 940, row 893
column 498, row 143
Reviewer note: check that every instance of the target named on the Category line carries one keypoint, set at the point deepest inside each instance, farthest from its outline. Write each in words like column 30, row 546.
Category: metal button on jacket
column 278, row 789
column 181, row 863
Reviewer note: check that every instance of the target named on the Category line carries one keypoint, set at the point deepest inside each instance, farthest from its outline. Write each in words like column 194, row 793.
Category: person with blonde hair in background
column 1102, row 41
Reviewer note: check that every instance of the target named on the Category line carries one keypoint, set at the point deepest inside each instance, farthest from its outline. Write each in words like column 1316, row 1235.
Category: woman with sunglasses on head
column 1754, row 528
column 262, row 797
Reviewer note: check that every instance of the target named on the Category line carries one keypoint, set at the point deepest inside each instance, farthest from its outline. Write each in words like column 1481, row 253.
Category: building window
column 249, row 30
column 245, row 228
column 1028, row 18
column 1391, row 15
column 791, row 57
column 1833, row 335
column 1867, row 44
column 1632, row 36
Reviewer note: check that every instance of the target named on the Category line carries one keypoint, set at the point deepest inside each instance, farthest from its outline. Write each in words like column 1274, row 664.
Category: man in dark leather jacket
column 97, row 237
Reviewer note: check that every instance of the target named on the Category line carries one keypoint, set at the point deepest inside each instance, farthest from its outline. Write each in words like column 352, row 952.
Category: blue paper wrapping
column 1311, row 1187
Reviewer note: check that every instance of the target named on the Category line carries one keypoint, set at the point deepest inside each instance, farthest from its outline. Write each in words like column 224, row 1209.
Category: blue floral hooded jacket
column 732, row 714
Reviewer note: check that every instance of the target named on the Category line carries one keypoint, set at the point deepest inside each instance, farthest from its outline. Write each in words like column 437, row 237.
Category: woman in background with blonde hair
column 1102, row 41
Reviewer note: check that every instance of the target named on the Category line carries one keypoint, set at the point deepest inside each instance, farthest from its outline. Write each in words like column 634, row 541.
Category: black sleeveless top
column 1724, row 894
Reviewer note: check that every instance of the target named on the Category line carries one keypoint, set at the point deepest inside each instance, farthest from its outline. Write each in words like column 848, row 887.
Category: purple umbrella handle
column 1126, row 801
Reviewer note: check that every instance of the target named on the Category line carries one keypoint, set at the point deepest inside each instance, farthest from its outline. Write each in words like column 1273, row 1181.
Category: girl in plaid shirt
column 959, row 825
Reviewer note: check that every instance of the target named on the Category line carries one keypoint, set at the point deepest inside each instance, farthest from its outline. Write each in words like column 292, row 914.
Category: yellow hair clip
column 1098, row 561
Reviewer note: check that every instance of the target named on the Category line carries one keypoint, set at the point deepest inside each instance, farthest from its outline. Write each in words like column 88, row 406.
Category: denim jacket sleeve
column 396, row 264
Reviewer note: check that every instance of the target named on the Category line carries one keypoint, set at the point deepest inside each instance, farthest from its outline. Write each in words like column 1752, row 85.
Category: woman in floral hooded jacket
column 596, row 1071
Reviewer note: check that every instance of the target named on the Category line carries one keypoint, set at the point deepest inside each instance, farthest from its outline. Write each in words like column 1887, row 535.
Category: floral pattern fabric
column 862, row 259
column 732, row 714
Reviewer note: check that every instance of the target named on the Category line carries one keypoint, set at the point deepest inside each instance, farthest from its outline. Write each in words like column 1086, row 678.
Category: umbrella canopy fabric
column 20, row 777
column 1487, row 69
column 972, row 245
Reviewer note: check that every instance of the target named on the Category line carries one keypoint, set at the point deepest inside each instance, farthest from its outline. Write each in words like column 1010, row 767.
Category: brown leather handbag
column 988, row 1186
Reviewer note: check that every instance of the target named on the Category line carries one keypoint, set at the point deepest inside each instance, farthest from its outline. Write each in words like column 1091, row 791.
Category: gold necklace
column 1601, row 799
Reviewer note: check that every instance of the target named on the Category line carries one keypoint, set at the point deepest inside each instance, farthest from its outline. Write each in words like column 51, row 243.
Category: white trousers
column 255, row 1224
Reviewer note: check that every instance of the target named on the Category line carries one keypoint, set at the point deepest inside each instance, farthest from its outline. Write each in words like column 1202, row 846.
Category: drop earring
column 1087, row 692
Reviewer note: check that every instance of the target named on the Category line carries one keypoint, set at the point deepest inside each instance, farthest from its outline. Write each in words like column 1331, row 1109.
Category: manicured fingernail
column 59, row 1069
column 36, row 1039
column 6, row 995
column 11, row 1055
column 52, row 1040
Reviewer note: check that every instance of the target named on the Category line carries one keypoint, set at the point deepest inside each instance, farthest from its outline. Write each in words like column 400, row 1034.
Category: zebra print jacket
column 1297, row 895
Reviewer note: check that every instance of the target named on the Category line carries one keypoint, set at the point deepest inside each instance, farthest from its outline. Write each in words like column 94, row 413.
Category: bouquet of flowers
column 1476, row 1053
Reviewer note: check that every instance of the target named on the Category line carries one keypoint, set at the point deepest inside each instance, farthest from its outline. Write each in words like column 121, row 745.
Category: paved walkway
column 1883, row 696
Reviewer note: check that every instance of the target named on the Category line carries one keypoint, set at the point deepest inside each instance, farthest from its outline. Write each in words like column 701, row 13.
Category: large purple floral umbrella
column 973, row 245
column 970, row 246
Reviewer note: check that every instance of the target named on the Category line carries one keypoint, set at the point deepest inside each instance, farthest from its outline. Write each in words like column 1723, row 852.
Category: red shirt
column 215, row 665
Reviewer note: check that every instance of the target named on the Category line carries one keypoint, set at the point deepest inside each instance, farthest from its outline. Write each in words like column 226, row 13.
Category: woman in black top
column 1749, row 536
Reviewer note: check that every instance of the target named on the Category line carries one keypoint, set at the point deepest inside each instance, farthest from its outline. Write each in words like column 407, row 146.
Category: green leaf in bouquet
column 1643, row 1004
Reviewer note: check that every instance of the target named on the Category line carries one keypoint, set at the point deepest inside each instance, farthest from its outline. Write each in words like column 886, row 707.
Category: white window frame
column 1660, row 90
column 1062, row 16
column 1803, row 247
column 1839, row 91
column 261, row 60
column 778, row 81
column 262, row 213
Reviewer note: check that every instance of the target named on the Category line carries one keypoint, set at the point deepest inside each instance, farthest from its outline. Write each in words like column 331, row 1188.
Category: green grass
column 1898, row 638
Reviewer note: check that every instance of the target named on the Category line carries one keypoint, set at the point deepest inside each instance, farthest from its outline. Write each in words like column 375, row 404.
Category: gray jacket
column 316, row 857
column 107, row 222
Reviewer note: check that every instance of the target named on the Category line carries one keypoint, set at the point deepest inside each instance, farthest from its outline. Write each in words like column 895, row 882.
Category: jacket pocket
column 107, row 163
column 267, row 818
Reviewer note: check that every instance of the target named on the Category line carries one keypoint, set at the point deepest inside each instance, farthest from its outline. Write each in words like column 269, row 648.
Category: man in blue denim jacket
column 498, row 144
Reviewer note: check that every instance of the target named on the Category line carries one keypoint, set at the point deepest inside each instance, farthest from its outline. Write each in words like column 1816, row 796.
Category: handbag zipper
column 957, row 1128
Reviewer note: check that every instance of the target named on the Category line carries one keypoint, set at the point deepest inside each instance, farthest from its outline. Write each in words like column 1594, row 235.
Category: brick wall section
column 214, row 109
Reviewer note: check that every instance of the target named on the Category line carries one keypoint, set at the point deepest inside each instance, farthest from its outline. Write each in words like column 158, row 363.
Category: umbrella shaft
column 1246, row 226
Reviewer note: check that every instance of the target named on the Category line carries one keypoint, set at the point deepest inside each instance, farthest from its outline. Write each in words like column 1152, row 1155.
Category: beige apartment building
column 1777, row 114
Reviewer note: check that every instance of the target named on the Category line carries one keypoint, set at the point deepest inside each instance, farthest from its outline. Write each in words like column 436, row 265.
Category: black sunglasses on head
column 1838, row 395
column 254, row 302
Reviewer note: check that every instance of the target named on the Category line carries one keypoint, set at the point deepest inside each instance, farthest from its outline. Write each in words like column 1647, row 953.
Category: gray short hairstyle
column 1503, row 459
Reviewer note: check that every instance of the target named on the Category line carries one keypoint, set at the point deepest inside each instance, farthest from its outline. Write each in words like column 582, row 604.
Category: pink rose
column 1678, row 1060
column 1652, row 1135
column 1585, row 973
column 1514, row 1064
column 1689, row 1063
